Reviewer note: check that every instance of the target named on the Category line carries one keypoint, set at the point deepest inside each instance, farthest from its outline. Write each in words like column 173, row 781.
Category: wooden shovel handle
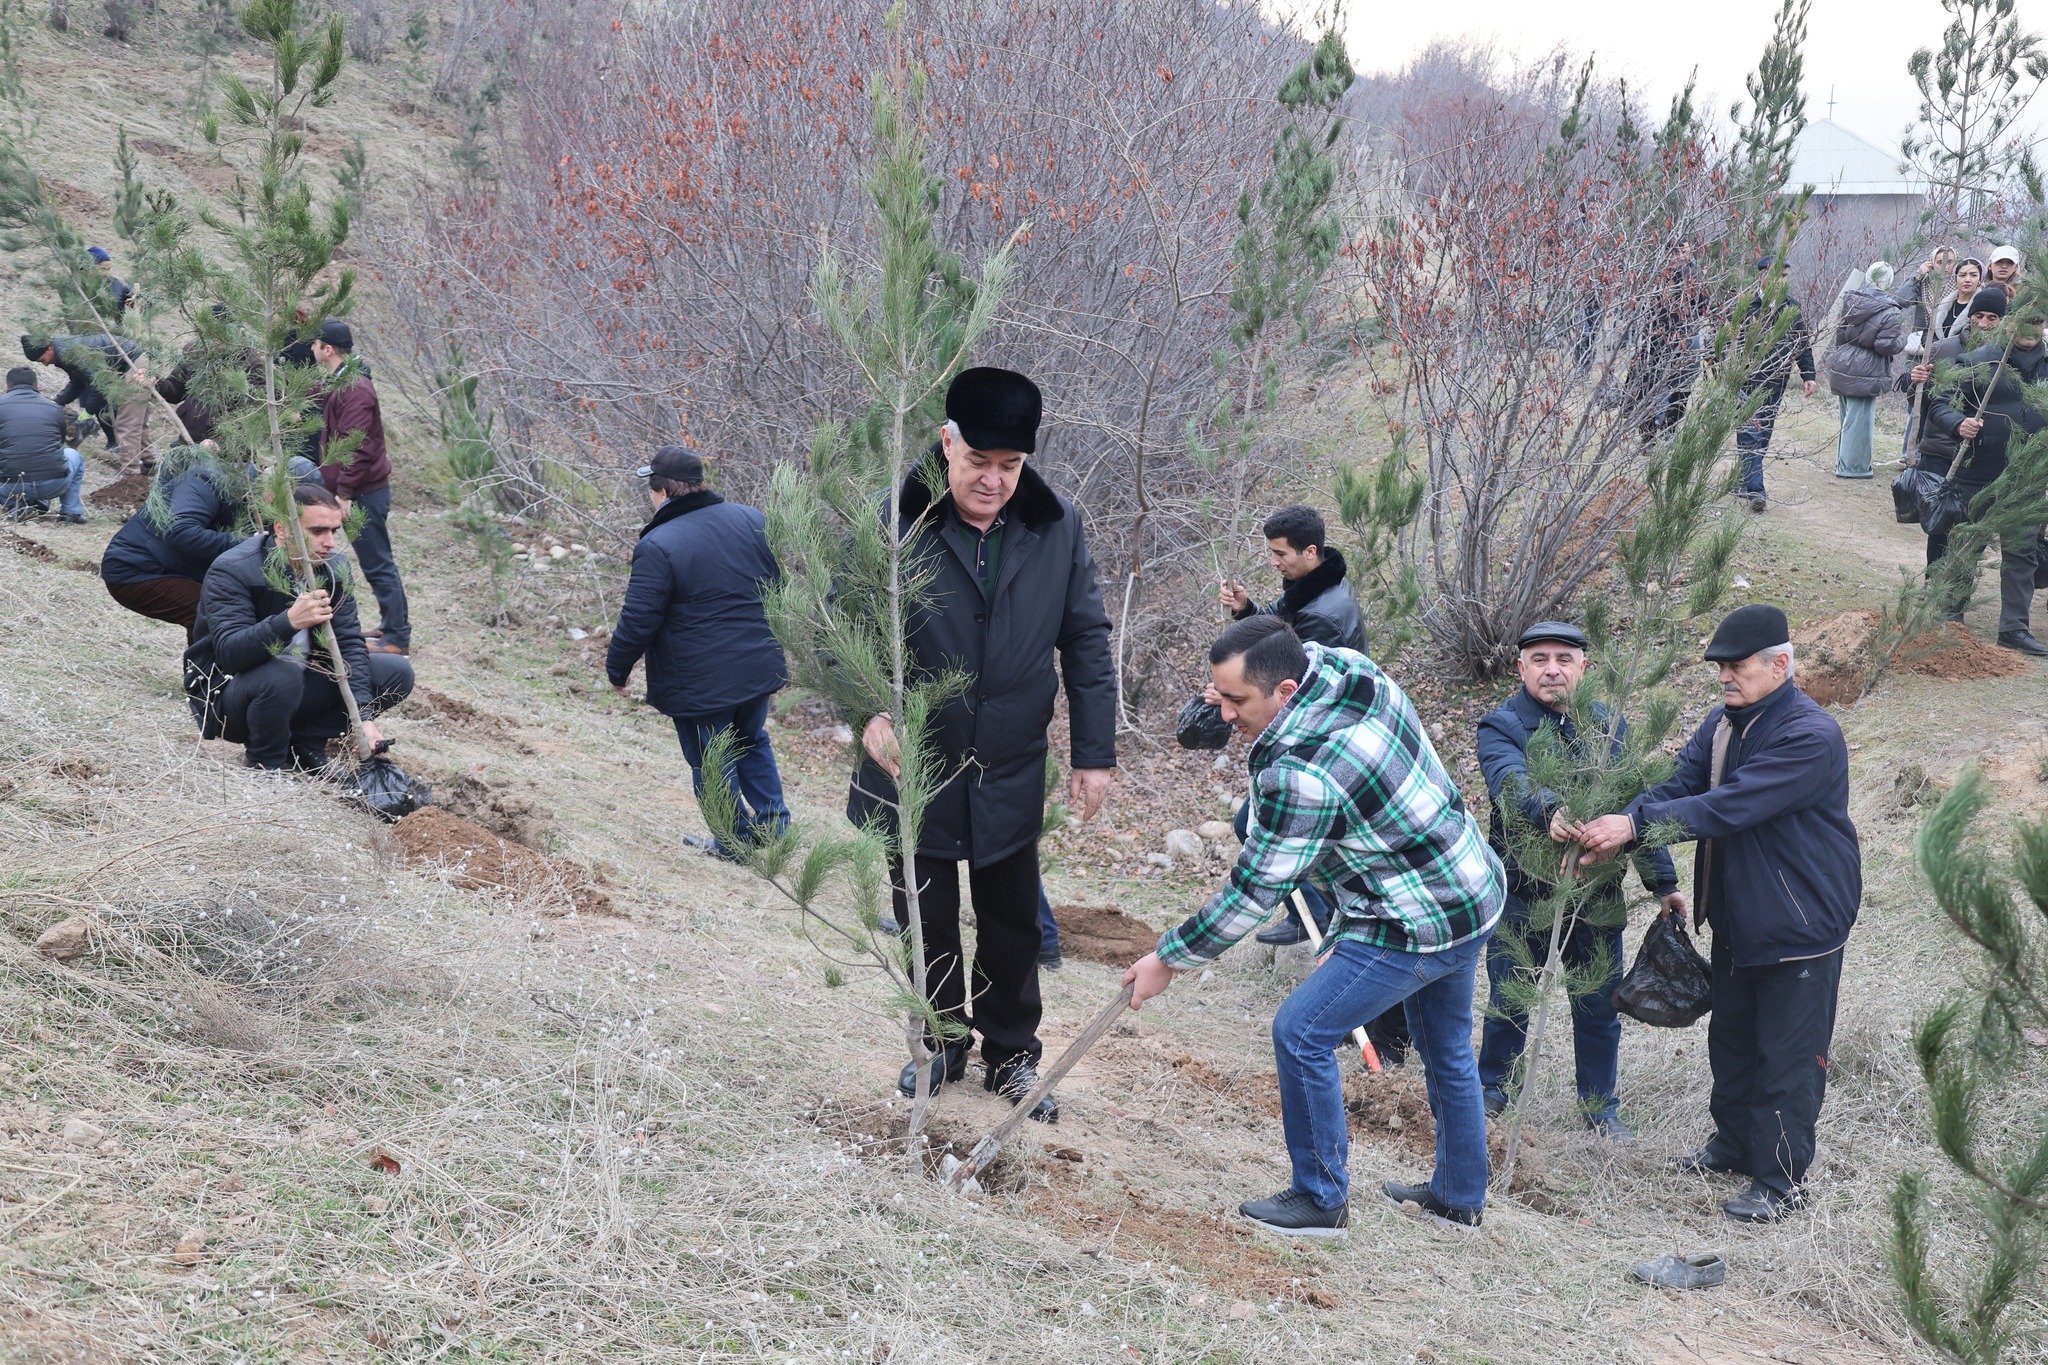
column 985, row 1150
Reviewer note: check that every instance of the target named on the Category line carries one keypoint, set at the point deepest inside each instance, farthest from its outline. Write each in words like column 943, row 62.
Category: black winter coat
column 31, row 438
column 1786, row 864
column 74, row 359
column 242, row 624
column 1936, row 446
column 693, row 608
column 1320, row 605
column 178, row 389
column 1046, row 600
column 203, row 526
column 1984, row 458
column 1792, row 349
column 1504, row 737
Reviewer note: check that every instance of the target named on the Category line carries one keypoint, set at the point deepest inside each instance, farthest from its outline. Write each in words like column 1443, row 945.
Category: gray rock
column 1184, row 843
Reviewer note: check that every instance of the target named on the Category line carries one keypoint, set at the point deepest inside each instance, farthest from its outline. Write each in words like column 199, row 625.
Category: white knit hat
column 1879, row 275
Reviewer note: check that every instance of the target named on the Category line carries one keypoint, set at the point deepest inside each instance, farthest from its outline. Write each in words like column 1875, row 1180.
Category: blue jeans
column 21, row 491
column 1754, row 438
column 1596, row 1025
column 372, row 544
column 749, row 772
column 1048, row 928
column 1355, row 983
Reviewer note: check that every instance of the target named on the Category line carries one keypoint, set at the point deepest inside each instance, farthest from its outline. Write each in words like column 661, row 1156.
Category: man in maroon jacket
column 363, row 475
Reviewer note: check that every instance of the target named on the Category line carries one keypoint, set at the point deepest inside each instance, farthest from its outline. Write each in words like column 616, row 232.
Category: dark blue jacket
column 203, row 525
column 1787, row 868
column 1504, row 737
column 31, row 438
column 116, row 353
column 693, row 608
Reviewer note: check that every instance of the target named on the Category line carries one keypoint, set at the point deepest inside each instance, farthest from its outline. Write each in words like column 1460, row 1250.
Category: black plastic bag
column 1201, row 725
column 1910, row 492
column 1670, row 985
column 1944, row 507
column 385, row 790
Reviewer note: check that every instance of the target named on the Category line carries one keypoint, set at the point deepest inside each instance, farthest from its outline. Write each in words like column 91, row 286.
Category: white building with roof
column 1846, row 168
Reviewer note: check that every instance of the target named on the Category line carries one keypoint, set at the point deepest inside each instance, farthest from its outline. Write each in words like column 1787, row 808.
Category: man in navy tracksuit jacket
column 1763, row 786
column 693, row 608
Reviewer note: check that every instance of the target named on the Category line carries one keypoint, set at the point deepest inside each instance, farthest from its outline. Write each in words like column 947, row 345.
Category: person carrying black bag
column 1979, row 417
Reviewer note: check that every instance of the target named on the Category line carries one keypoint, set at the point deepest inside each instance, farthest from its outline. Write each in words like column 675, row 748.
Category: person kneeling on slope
column 1350, row 794
column 254, row 673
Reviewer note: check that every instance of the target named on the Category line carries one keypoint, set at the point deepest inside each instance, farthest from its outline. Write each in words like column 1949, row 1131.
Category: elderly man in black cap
column 1552, row 664
column 1763, row 786
column 693, row 611
column 1012, row 585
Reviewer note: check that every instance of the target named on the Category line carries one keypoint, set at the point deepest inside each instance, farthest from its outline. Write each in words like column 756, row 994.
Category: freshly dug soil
column 505, row 813
column 21, row 544
column 1834, row 656
column 124, row 494
column 474, row 858
column 1104, row 934
column 453, row 712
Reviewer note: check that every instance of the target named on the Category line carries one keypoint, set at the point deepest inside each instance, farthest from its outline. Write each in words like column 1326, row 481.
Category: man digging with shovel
column 1347, row 792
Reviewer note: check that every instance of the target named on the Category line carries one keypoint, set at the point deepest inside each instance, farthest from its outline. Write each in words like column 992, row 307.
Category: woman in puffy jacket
column 1871, row 332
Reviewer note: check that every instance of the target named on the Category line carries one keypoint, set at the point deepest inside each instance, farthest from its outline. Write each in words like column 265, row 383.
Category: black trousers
column 283, row 705
column 372, row 544
column 1767, row 1042
column 1003, row 983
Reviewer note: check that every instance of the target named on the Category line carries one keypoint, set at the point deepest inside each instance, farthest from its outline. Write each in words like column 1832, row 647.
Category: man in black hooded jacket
column 1983, row 413
column 1012, row 584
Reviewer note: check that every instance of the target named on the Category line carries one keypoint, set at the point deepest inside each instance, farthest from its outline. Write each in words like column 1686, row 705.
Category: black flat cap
column 995, row 409
column 1746, row 630
column 674, row 462
column 1556, row 632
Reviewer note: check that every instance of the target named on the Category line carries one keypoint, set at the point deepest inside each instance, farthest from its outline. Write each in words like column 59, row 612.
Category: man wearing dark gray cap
column 693, row 611
column 1011, row 585
column 1552, row 664
column 357, row 469
column 1763, row 787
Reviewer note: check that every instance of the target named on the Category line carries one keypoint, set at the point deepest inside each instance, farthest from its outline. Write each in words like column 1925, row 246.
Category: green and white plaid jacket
column 1348, row 793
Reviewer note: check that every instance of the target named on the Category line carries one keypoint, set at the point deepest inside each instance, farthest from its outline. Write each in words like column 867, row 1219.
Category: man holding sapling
column 1011, row 585
column 1350, row 794
column 256, row 673
column 1552, row 664
column 1763, row 786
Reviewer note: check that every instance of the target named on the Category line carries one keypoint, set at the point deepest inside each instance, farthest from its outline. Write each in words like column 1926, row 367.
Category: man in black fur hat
column 1012, row 584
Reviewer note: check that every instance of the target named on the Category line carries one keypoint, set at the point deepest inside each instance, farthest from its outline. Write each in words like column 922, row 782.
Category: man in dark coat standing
column 254, row 674
column 693, row 611
column 35, row 464
column 1012, row 584
column 1791, row 345
column 1320, row 605
column 1552, row 663
column 351, row 413
column 1763, row 786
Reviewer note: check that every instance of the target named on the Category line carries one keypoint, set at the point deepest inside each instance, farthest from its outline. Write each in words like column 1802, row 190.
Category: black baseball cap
column 673, row 462
column 336, row 333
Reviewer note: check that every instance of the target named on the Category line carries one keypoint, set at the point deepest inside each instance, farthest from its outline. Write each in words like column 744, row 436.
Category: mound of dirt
column 475, row 859
column 124, row 494
column 21, row 544
column 466, row 717
column 875, row 1131
column 1104, row 934
column 1835, row 656
column 507, row 814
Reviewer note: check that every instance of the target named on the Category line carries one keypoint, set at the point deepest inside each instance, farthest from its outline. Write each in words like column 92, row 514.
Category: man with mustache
column 1763, row 786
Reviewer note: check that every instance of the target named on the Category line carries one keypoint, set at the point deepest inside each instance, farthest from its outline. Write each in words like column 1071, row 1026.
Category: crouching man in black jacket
column 1763, row 786
column 255, row 676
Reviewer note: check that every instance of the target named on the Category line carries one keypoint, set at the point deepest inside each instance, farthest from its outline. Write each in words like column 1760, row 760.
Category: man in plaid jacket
column 1348, row 793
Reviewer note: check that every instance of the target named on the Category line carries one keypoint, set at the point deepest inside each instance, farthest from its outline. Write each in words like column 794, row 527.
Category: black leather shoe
column 1292, row 1213
column 1610, row 1126
column 1494, row 1100
column 1708, row 1160
column 949, row 1065
column 1015, row 1079
column 2023, row 642
column 1049, row 960
column 709, row 845
column 1419, row 1194
column 1762, row 1204
column 1284, row 934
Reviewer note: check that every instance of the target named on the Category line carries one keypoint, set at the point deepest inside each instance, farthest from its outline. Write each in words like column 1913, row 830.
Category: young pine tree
column 1984, row 1309
column 1973, row 91
column 852, row 580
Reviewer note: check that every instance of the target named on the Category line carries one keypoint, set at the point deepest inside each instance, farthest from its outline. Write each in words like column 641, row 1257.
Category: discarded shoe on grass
column 1683, row 1272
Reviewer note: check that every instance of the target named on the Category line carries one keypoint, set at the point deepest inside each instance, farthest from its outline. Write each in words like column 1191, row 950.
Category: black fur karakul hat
column 995, row 409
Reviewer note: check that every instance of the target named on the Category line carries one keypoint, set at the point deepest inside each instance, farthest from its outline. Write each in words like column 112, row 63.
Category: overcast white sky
column 1856, row 49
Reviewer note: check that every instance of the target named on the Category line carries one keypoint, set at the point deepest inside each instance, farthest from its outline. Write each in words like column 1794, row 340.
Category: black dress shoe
column 1420, row 1194
column 1493, row 1100
column 1708, row 1160
column 949, row 1065
column 1292, row 1213
column 1015, row 1079
column 2023, row 642
column 1284, row 934
column 1049, row 960
column 1762, row 1204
